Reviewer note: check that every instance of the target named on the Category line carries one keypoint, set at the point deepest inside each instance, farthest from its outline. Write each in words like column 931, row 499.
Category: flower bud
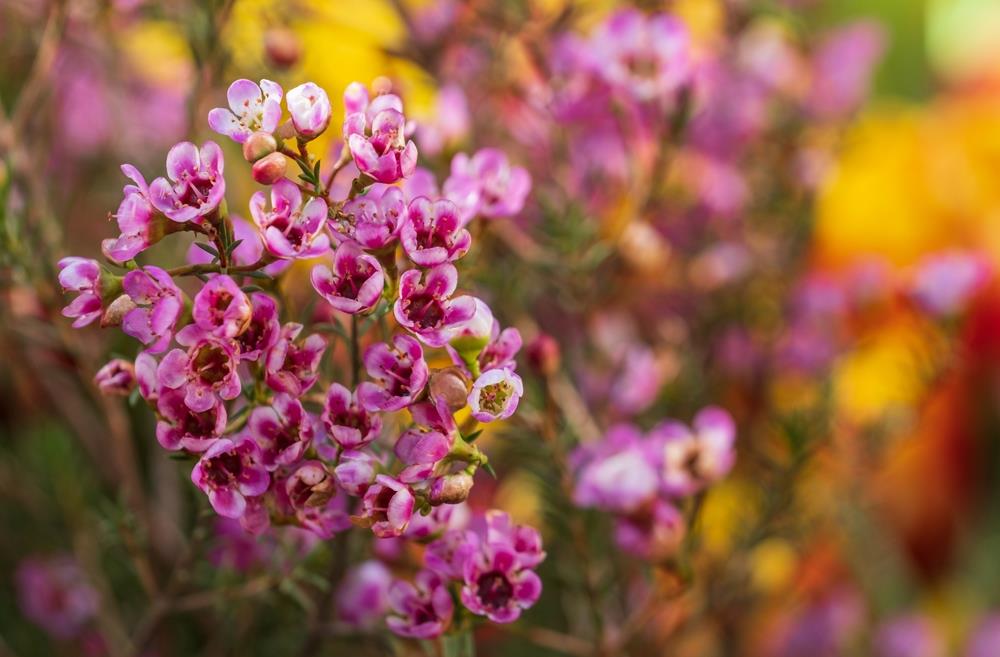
column 259, row 145
column 117, row 310
column 470, row 337
column 451, row 489
column 310, row 485
column 543, row 354
column 309, row 107
column 449, row 386
column 117, row 377
column 282, row 47
column 270, row 169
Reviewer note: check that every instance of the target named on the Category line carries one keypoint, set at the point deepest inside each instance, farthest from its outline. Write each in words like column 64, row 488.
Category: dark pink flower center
column 224, row 469
column 211, row 364
column 425, row 310
column 199, row 424
column 350, row 282
column 494, row 590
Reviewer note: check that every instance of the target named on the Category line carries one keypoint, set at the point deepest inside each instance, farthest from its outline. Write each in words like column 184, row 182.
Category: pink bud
column 259, row 145
column 270, row 169
column 282, row 47
column 449, row 386
column 543, row 354
column 451, row 489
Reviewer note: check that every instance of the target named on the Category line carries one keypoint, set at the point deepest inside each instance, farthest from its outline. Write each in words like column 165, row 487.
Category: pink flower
column 229, row 472
column 373, row 219
column 310, row 485
column 54, row 594
column 447, row 555
column 140, row 224
column 374, row 132
column 355, row 283
column 420, row 450
column 208, row 368
column 263, row 330
column 425, row 306
column 449, row 122
column 912, row 635
column 145, row 376
column 117, row 377
column 647, row 57
column 388, row 506
column 309, row 107
column 350, row 425
column 495, row 394
column 326, row 520
column 221, row 307
column 291, row 366
column 291, row 229
column 356, row 471
column 252, row 108
column 283, row 431
column 400, row 374
column 616, row 474
column 181, row 428
column 159, row 305
column 83, row 276
column 421, row 610
column 432, row 232
column 195, row 187
column 497, row 584
column 496, row 527
column 843, row 67
column 692, row 458
column 653, row 532
column 362, row 599
column 487, row 185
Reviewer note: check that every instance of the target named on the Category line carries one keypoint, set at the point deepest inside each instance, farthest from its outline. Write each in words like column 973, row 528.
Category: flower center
column 494, row 589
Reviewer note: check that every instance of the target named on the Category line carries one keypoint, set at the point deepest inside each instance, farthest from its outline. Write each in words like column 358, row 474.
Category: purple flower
column 985, row 639
column 282, row 430
column 291, row 366
column 310, row 485
column 373, row 219
column 181, row 428
column 355, row 283
column 159, row 304
column 432, row 232
column 694, row 457
column 140, row 224
column 350, row 425
column 221, row 308
column 420, row 450
column 356, row 471
column 326, row 520
column 54, row 594
column 374, row 132
column 262, row 331
column 362, row 599
column 487, row 185
column 654, row 532
column 229, row 472
column 495, row 394
column 208, row 368
column 83, row 276
column 117, row 377
column 497, row 584
column 252, row 108
column 421, row 610
column 496, row 526
column 309, row 107
column 908, row 636
column 425, row 306
column 195, row 187
column 945, row 282
column 647, row 57
column 448, row 554
column 388, row 506
column 290, row 229
column 843, row 67
column 400, row 374
column 616, row 474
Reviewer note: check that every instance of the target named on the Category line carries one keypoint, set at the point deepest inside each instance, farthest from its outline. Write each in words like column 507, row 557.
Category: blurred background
column 811, row 243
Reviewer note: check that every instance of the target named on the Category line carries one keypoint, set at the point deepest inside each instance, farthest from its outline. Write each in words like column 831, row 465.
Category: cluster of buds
column 243, row 390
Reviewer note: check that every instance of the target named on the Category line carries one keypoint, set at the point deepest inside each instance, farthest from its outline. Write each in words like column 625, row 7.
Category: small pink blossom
column 292, row 365
column 694, row 457
column 54, row 594
column 83, row 276
column 363, row 597
column 374, row 132
column 421, row 610
column 356, row 471
column 346, row 420
column 140, row 224
column 647, row 57
column 195, row 187
column 374, row 219
column 497, row 583
column 388, row 506
column 181, row 428
column 221, row 307
column 116, row 377
column 252, row 108
column 354, row 284
column 425, row 307
column 207, row 369
column 432, row 233
column 159, row 304
column 487, row 185
column 283, row 431
column 495, row 395
column 263, row 330
column 229, row 472
column 400, row 374
column 291, row 229
column 309, row 107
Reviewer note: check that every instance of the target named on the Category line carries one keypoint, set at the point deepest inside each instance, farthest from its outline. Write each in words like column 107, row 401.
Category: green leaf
column 489, row 468
column 207, row 248
column 471, row 438
column 258, row 274
column 461, row 644
column 232, row 247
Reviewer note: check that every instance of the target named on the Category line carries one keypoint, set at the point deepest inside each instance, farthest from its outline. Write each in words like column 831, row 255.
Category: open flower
column 400, row 374
column 695, row 457
column 355, row 283
column 309, row 107
column 432, row 232
column 487, row 185
column 140, row 224
column 229, row 472
column 291, row 365
column 373, row 219
column 263, row 329
column 497, row 584
column 181, row 428
column 283, row 431
column 421, row 610
column 420, row 449
column 194, row 187
column 221, row 307
column 346, row 420
column 252, row 108
column 654, row 532
column 159, row 304
column 363, row 597
column 208, row 368
column 54, row 594
column 495, row 394
column 83, row 276
column 617, row 473
column 425, row 306
column 387, row 506
column 290, row 229
column 374, row 132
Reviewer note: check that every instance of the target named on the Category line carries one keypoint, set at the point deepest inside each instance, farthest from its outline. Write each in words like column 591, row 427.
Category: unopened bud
column 270, row 169
column 117, row 377
column 451, row 489
column 259, row 145
column 543, row 354
column 449, row 386
column 282, row 47
column 116, row 311
column 310, row 485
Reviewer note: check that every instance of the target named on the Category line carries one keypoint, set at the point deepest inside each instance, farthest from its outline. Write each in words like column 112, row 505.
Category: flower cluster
column 245, row 390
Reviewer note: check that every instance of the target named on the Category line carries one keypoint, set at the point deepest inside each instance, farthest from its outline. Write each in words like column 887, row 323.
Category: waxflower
column 363, row 597
column 145, row 376
column 400, row 374
column 290, row 229
column 263, row 329
column 159, row 304
column 432, row 232
column 447, row 555
column 346, row 420
column 229, row 473
column 420, row 449
column 355, row 283
column 195, row 187
column 54, row 594
column 421, row 610
column 374, row 219
column 252, row 108
column 140, row 224
column 653, row 532
column 327, row 519
column 497, row 526
column 374, row 133
column 208, row 368
column 497, row 584
column 290, row 365
column 487, row 185
column 425, row 306
column 310, row 485
column 615, row 474
column 117, row 377
column 355, row 471
column 387, row 506
column 695, row 457
column 495, row 394
column 221, row 307
column 83, row 276
column 282, row 430
column 309, row 107
column 181, row 428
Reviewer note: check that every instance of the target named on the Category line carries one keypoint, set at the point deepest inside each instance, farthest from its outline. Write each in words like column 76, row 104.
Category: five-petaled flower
column 195, row 187
column 230, row 472
column 252, row 108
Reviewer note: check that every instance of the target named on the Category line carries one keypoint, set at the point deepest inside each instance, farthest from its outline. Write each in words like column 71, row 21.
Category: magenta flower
column 911, row 635
column 496, row 526
column 326, row 520
column 181, row 428
column 54, row 594
column 140, row 224
column 843, row 67
column 400, row 374
column 648, row 57
column 497, row 584
column 487, row 185
column 221, row 307
column 309, row 485
column 117, row 377
column 208, row 368
column 355, row 283
column 283, row 431
column 83, row 276
column 263, row 330
column 420, row 450
column 375, row 134
column 291, row 366
column 421, row 610
column 425, row 306
column 159, row 304
column 145, row 376
column 350, row 425
column 373, row 219
column 653, row 532
column 309, row 107
column 291, row 229
column 495, row 394
column 195, row 187
column 356, row 471
column 432, row 232
column 693, row 458
column 252, row 108
column 229, row 472
column 388, row 506
column 616, row 474
column 448, row 554
column 362, row 599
